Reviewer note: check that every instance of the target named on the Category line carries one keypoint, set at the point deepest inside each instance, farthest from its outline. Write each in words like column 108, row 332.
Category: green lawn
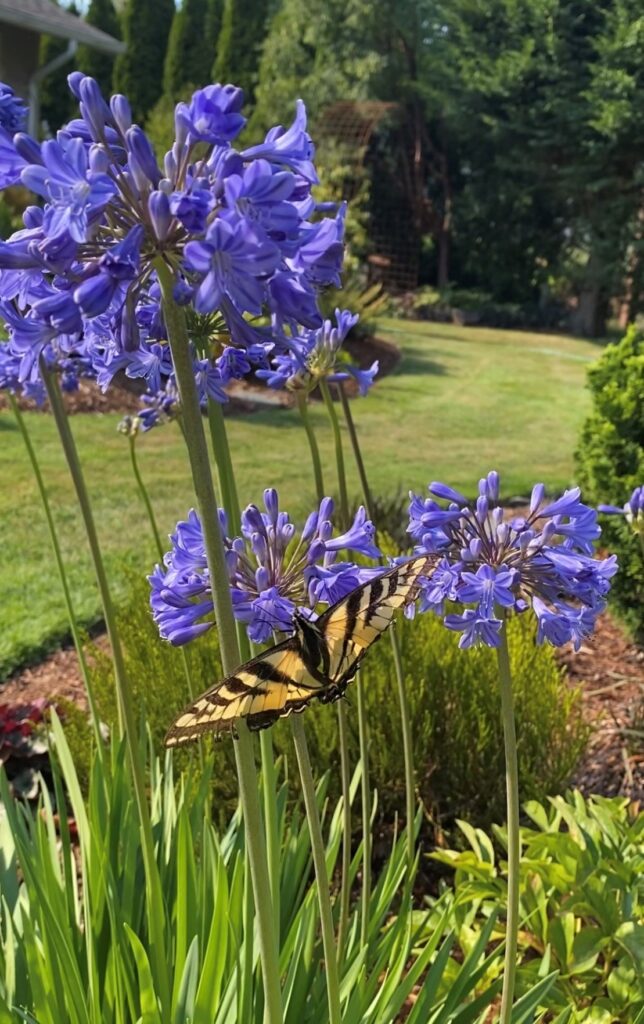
column 462, row 401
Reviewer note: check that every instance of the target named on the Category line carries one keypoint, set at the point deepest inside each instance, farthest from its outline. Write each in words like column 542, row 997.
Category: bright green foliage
column 243, row 27
column 610, row 463
column 457, row 733
column 317, row 49
column 458, row 739
column 101, row 14
column 57, row 104
column 139, row 71
column 582, row 901
column 190, row 53
column 74, row 944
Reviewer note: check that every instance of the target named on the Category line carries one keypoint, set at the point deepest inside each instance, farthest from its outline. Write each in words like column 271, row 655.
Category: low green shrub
column 458, row 740
column 582, row 902
column 457, row 733
column 610, row 463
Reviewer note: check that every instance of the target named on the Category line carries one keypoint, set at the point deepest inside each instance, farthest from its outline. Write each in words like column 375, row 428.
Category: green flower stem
column 343, row 736
column 60, row 565
column 228, row 487
column 365, row 790
column 313, row 445
column 207, row 502
column 514, row 840
column 345, row 781
column 405, row 716
column 357, row 453
column 145, row 497
column 339, row 454
column 319, row 862
column 127, row 720
column 362, row 722
column 224, row 463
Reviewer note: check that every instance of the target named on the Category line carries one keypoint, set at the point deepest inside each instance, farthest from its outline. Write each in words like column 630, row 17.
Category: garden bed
column 609, row 668
column 244, row 396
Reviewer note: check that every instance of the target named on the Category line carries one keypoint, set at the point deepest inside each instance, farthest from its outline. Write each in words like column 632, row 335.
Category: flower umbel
column 541, row 561
column 273, row 571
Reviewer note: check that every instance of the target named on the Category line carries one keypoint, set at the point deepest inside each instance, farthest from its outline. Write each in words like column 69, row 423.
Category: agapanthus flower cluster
column 632, row 510
column 246, row 243
column 315, row 355
column 495, row 565
column 273, row 570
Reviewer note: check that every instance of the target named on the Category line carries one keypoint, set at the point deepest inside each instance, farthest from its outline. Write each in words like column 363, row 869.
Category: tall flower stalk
column 492, row 566
column 205, row 493
column 343, row 731
column 405, row 716
column 127, row 720
column 228, row 489
column 62, row 573
column 513, row 830
column 365, row 788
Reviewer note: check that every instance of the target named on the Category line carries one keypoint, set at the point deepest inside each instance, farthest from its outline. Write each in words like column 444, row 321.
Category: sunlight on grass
column 461, row 401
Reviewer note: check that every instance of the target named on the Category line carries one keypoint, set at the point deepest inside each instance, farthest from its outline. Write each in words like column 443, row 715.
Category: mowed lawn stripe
column 460, row 401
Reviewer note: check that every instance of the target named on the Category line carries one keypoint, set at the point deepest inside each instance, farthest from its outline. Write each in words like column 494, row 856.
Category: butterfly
column 317, row 662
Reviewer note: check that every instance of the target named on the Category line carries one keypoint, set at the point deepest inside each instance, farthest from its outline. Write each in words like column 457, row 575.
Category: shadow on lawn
column 415, row 361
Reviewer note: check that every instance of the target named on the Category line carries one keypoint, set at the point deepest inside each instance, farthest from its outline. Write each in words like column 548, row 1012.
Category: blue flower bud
column 74, row 82
column 140, row 148
column 27, row 148
column 121, row 112
column 159, row 210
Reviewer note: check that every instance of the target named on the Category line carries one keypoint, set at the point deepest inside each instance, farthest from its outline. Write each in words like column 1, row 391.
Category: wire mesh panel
column 370, row 139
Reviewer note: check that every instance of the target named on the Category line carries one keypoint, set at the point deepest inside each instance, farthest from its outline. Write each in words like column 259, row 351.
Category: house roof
column 45, row 16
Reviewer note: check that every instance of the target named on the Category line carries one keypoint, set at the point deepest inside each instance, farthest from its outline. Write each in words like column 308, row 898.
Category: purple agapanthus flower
column 312, row 356
column 496, row 565
column 273, row 571
column 239, row 231
column 633, row 509
column 13, row 112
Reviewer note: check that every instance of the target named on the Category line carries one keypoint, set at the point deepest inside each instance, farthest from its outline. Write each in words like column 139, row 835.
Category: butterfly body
column 317, row 662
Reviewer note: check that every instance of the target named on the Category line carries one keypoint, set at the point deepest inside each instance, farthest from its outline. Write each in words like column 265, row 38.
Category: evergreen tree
column 57, row 104
column 214, row 12
column 243, row 27
column 189, row 57
column 139, row 71
column 101, row 14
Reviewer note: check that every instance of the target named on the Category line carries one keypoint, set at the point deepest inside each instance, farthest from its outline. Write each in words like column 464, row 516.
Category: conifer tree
column 101, row 14
column 56, row 102
column 189, row 57
column 243, row 27
column 139, row 71
column 214, row 13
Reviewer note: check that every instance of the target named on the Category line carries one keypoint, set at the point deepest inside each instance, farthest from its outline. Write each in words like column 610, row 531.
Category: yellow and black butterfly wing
column 262, row 690
column 351, row 625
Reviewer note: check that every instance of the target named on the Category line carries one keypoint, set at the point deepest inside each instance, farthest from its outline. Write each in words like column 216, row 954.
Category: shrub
column 582, row 901
column 458, row 740
column 610, row 463
column 457, row 732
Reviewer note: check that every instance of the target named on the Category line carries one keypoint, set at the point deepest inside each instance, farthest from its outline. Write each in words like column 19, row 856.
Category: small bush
column 457, row 732
column 458, row 740
column 610, row 463
column 582, row 900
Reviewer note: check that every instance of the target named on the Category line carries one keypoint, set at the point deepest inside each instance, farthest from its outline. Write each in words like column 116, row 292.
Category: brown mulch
column 609, row 668
column 611, row 671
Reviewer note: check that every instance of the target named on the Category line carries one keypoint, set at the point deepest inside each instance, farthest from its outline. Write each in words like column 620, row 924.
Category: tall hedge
column 102, row 15
column 610, row 463
column 139, row 71
column 190, row 52
column 243, row 27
